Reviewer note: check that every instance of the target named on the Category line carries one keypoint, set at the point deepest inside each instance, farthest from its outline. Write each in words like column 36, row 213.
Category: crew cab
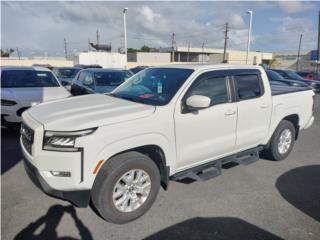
column 164, row 123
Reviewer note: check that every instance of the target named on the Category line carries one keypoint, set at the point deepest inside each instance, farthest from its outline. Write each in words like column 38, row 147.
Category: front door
column 210, row 133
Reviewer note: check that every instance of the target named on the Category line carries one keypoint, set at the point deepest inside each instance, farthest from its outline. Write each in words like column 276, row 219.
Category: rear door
column 254, row 108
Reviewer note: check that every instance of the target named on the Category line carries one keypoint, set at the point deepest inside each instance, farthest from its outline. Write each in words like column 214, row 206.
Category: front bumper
column 79, row 198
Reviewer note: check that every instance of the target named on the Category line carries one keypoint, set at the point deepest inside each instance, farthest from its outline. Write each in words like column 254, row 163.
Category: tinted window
column 66, row 72
column 27, row 78
column 274, row 75
column 112, row 78
column 82, row 76
column 293, row 75
column 248, row 86
column 154, row 86
column 213, row 87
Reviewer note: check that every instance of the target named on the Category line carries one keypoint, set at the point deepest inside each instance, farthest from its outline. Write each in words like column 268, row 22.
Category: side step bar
column 213, row 169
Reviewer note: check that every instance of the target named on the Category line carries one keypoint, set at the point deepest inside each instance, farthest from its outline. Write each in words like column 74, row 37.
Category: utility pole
column 89, row 45
column 125, row 34
column 188, row 58
column 225, row 42
column 18, row 53
column 298, row 58
column 173, row 43
column 65, row 48
column 318, row 58
column 98, row 36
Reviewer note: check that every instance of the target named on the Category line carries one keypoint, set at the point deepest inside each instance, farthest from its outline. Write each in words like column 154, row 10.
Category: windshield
column 293, row 75
column 27, row 78
column 66, row 72
column 112, row 78
column 154, row 86
column 274, row 75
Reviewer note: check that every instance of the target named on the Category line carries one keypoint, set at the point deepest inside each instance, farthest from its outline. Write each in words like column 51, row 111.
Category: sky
column 39, row 28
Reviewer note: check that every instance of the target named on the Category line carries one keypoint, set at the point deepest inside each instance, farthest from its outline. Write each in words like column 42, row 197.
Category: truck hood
column 35, row 94
column 77, row 113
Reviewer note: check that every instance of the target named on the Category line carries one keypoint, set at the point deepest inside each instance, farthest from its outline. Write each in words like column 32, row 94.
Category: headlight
column 63, row 141
column 5, row 102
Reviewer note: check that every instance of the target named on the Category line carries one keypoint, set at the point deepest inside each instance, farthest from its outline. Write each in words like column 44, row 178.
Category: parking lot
column 265, row 200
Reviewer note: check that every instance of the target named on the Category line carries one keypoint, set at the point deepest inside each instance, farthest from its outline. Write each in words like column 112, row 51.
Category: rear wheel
column 126, row 187
column 281, row 142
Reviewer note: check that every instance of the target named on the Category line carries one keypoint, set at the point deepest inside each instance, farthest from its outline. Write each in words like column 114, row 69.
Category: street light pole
column 249, row 35
column 125, row 34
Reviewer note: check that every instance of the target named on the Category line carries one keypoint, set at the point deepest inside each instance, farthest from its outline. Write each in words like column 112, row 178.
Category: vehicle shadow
column 220, row 228
column 10, row 149
column 51, row 221
column 301, row 188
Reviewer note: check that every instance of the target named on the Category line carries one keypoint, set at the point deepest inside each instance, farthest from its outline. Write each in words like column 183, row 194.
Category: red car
column 307, row 75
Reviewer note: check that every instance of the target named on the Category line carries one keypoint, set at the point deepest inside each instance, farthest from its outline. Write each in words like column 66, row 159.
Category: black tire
column 272, row 152
column 109, row 175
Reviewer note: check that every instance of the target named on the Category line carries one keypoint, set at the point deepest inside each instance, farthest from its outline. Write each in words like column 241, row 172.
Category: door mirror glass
column 198, row 102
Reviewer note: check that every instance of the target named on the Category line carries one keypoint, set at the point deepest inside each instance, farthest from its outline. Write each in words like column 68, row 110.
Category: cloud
column 287, row 33
column 295, row 6
column 41, row 26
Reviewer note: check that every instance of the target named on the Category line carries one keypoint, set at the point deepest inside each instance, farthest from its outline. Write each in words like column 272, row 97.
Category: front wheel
column 126, row 187
column 281, row 142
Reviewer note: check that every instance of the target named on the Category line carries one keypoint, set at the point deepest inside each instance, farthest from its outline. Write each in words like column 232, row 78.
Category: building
column 213, row 55
column 307, row 60
column 149, row 57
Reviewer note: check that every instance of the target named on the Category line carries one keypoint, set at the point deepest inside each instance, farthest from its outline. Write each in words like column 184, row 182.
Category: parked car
column 98, row 80
column 66, row 75
column 291, row 75
column 138, row 69
column 43, row 65
column 83, row 66
column 276, row 78
column 164, row 123
column 306, row 75
column 22, row 87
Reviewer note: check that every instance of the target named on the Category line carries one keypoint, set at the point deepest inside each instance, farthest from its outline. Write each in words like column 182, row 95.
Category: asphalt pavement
column 264, row 200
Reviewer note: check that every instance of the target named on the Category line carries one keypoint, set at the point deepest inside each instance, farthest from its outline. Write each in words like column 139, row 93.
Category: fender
column 280, row 112
column 132, row 142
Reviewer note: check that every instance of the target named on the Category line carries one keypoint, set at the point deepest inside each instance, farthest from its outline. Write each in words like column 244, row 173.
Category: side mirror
column 198, row 102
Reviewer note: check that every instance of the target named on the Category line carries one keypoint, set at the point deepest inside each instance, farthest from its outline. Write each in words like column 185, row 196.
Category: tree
column 4, row 54
column 145, row 48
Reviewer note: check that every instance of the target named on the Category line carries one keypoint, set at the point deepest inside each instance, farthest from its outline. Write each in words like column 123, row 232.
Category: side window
column 249, row 86
column 82, row 76
column 214, row 87
column 88, row 80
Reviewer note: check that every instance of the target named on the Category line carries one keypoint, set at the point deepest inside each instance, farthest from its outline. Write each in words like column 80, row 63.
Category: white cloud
column 295, row 6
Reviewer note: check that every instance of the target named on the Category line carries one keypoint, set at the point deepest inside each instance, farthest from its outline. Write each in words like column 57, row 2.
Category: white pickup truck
column 164, row 123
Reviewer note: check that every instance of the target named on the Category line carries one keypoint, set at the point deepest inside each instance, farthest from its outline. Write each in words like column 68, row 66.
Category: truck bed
column 278, row 90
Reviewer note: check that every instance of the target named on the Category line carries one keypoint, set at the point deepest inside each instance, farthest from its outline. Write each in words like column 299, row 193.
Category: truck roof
column 209, row 66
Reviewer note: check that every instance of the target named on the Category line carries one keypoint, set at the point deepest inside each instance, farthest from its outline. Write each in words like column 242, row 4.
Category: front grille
column 27, row 137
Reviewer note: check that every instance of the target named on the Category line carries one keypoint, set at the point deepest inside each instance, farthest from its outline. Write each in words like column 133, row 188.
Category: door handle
column 230, row 112
column 264, row 106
